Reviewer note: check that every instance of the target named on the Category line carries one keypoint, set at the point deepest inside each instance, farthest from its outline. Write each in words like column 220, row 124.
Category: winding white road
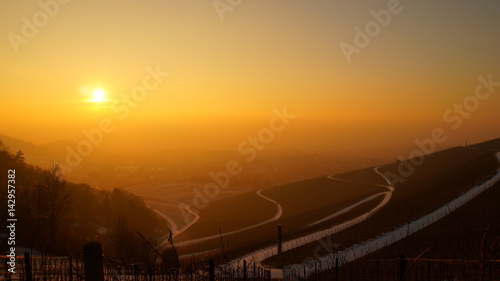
column 197, row 217
column 276, row 216
column 175, row 229
column 260, row 255
column 346, row 209
column 386, row 199
column 389, row 184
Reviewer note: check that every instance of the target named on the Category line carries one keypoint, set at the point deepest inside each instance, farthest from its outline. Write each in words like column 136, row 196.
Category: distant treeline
column 58, row 217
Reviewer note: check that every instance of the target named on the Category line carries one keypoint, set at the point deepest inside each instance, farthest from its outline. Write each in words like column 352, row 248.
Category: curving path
column 386, row 199
column 389, row 184
column 280, row 210
column 346, row 209
column 260, row 255
column 171, row 222
column 175, row 228
column 276, row 216
column 197, row 217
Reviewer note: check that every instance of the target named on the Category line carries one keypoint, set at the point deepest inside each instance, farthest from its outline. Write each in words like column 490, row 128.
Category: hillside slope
column 439, row 179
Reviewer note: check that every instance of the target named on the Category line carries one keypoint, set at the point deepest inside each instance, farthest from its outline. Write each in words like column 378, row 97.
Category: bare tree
column 52, row 200
column 488, row 248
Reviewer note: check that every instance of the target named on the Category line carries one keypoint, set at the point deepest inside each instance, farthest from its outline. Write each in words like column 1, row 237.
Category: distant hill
column 44, row 155
column 34, row 154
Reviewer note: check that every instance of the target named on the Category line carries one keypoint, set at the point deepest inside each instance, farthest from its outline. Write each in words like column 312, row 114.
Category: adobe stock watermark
column 363, row 37
column 454, row 116
column 30, row 28
column 249, row 149
column 122, row 108
column 223, row 6
column 11, row 222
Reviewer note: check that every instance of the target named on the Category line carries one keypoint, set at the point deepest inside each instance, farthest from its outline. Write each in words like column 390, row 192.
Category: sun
column 98, row 95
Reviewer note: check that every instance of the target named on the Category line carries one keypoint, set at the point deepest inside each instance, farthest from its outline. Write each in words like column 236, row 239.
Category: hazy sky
column 226, row 76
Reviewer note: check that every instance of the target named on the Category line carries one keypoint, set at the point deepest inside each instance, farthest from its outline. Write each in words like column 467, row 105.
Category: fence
column 93, row 266
column 400, row 269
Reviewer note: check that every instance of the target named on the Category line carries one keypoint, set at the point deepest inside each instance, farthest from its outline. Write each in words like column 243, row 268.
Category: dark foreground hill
column 56, row 217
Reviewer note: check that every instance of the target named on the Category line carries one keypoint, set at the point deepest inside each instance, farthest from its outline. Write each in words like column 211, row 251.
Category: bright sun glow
column 98, row 95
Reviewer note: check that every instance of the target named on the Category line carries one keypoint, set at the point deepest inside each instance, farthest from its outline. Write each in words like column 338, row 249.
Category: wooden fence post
column 6, row 272
column 280, row 246
column 244, row 270
column 316, row 271
column 45, row 269
column 441, row 274
column 211, row 270
column 70, row 268
column 92, row 259
column 402, row 266
column 27, row 267
column 336, row 269
column 136, row 272
column 150, row 271
column 428, row 270
column 350, row 272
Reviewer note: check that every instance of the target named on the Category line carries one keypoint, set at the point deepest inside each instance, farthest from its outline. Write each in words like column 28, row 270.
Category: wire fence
column 400, row 269
column 40, row 268
column 30, row 268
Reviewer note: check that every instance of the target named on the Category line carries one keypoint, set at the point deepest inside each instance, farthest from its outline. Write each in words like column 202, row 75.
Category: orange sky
column 226, row 76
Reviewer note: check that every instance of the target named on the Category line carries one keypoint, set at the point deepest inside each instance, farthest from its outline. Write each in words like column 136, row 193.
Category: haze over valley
column 249, row 140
